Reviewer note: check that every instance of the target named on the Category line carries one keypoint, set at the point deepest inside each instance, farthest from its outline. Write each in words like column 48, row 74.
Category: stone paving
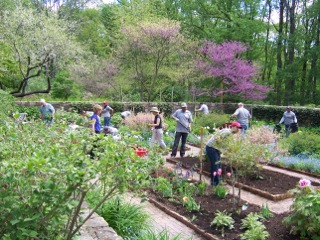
column 97, row 228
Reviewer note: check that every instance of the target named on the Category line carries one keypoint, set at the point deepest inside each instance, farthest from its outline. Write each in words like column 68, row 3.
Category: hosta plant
column 222, row 220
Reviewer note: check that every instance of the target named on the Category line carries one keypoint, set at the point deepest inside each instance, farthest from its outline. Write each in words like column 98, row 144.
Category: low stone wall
column 96, row 228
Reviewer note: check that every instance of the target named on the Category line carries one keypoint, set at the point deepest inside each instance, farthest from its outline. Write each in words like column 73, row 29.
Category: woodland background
column 260, row 51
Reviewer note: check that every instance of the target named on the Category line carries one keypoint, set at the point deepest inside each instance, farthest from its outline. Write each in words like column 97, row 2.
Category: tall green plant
column 7, row 105
column 46, row 174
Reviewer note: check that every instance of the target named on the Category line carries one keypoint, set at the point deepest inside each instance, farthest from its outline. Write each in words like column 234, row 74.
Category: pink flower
column 219, row 171
column 214, row 174
column 228, row 174
column 170, row 169
column 304, row 182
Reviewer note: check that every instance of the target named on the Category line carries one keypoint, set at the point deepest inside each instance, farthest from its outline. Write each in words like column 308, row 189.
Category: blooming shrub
column 139, row 122
column 261, row 135
column 304, row 217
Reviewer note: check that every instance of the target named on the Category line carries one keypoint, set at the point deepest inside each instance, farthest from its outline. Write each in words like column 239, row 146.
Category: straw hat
column 154, row 109
column 183, row 105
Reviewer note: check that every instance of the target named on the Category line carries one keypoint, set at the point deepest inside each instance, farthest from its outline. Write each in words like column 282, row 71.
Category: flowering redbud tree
column 231, row 74
column 151, row 50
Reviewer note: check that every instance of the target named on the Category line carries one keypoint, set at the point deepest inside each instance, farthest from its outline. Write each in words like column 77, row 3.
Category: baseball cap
column 235, row 124
column 42, row 100
column 183, row 104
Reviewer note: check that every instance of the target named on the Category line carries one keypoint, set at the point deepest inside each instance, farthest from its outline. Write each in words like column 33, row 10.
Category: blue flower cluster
column 302, row 162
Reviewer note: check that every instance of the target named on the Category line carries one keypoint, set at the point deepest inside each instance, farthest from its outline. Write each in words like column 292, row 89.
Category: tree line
column 162, row 50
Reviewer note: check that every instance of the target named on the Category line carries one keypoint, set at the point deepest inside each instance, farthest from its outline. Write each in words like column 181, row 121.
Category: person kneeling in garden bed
column 213, row 153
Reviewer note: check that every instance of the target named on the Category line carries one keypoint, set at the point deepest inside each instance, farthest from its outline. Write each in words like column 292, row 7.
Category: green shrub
column 164, row 187
column 209, row 121
column 303, row 142
column 190, row 203
column 304, row 217
column 7, row 105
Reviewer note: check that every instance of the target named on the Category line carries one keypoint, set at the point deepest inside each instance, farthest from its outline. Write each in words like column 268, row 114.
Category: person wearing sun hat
column 183, row 118
column 157, row 126
column 106, row 113
column 213, row 152
column 288, row 118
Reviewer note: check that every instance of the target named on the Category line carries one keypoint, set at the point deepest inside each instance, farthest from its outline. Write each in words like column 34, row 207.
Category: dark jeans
column 107, row 121
column 214, row 157
column 244, row 128
column 177, row 137
column 288, row 129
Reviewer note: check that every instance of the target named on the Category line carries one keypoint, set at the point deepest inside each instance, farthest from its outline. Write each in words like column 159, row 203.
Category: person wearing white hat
column 157, row 125
column 47, row 112
column 183, row 127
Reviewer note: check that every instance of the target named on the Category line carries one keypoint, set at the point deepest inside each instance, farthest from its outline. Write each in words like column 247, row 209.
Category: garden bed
column 200, row 221
column 268, row 184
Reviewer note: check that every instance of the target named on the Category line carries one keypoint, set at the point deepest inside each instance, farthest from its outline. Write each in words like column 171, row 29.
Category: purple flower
column 304, row 182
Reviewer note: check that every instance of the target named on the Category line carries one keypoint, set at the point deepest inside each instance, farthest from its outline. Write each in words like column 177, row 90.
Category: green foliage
column 32, row 112
column 163, row 186
column 46, row 173
column 7, row 105
column 255, row 230
column 150, row 234
column 190, row 203
column 304, row 142
column 222, row 220
column 220, row 190
column 210, row 122
column 166, row 108
column 127, row 219
column 304, row 217
column 265, row 212
column 64, row 87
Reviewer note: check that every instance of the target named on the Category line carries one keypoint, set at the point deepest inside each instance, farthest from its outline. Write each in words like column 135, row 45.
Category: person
column 243, row 116
column 183, row 118
column 157, row 128
column 288, row 118
column 96, row 125
column 46, row 112
column 204, row 108
column 106, row 113
column 125, row 114
column 213, row 152
column 110, row 130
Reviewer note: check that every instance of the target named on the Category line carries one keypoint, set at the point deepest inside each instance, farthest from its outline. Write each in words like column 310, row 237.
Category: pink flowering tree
column 231, row 74
column 155, row 52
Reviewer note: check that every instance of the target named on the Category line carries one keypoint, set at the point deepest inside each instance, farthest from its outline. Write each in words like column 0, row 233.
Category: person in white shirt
column 204, row 108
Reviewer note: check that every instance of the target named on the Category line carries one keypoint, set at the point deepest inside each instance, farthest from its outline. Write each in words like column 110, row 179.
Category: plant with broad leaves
column 305, row 210
column 222, row 220
column 255, row 230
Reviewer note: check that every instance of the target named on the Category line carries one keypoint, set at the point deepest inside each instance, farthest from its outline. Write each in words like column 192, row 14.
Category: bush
column 303, row 142
column 209, row 122
column 304, row 217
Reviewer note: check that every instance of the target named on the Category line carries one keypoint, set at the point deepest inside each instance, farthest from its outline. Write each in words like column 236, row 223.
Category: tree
column 231, row 74
column 40, row 44
column 156, row 52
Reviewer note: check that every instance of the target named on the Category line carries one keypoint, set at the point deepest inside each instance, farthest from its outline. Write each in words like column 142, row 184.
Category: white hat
column 183, row 105
column 154, row 109
column 42, row 100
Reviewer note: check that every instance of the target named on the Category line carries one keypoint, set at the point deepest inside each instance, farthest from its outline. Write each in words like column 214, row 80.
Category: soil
column 210, row 204
column 269, row 181
column 265, row 180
